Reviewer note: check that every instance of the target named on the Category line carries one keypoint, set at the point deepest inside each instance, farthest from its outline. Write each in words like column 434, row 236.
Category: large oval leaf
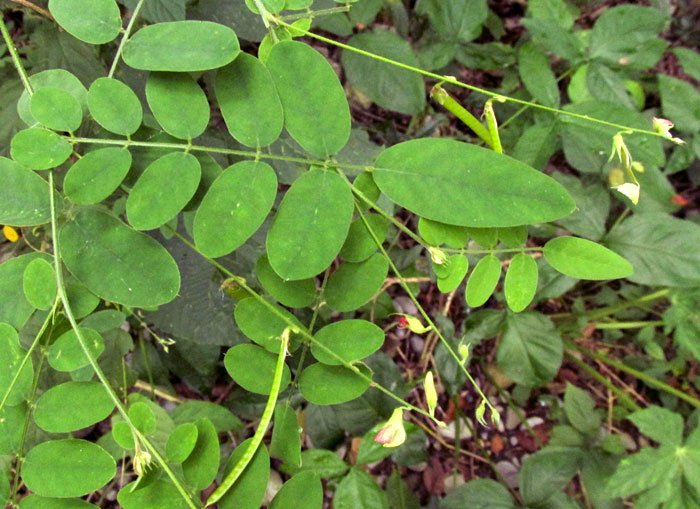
column 39, row 149
column 181, row 442
column 66, row 353
column 462, row 184
column 96, row 175
column 115, row 106
column 253, row 368
column 311, row 225
column 483, row 280
column 89, row 403
column 202, row 463
column 67, row 468
column 163, row 190
column 39, row 284
column 234, row 207
column 11, row 355
column 352, row 285
column 583, row 259
column 316, row 112
column 351, row 340
column 117, row 263
column 331, row 385
column 56, row 109
column 181, row 46
column 249, row 102
column 24, row 195
column 178, row 103
column 57, row 78
column 93, row 21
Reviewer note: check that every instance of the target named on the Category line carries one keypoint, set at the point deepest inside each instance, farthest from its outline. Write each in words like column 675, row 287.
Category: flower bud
column 10, row 233
column 431, row 396
column 393, row 433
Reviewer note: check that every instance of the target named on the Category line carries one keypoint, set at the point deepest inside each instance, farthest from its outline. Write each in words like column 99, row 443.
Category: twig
column 34, row 7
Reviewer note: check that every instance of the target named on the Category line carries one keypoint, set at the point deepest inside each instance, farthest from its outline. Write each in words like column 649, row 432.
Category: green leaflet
column 316, row 112
column 330, row 385
column 89, row 403
column 39, row 284
column 295, row 294
column 286, row 439
column 351, row 340
column 437, row 233
column 163, row 190
column 249, row 489
column 96, row 175
column 181, row 46
column 178, row 103
column 261, row 325
column 538, row 76
column 156, row 494
column 92, row 21
column 583, row 259
column 181, row 442
column 24, row 196
column 310, row 226
column 202, row 463
column 359, row 489
column 55, row 78
column 67, row 468
column 114, row 106
column 431, row 177
column 66, row 354
column 56, row 109
column 352, row 285
column 520, row 283
column 253, row 368
column 249, row 102
column 302, row 490
column 235, row 206
column 14, row 307
column 483, row 280
column 11, row 355
column 39, row 149
column 457, row 267
column 116, row 262
column 360, row 244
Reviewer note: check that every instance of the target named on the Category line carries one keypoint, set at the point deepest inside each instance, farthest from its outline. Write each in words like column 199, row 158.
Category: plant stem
column 15, row 57
column 446, row 101
column 34, row 7
column 265, row 419
column 88, row 354
column 651, row 381
column 628, row 325
column 125, row 38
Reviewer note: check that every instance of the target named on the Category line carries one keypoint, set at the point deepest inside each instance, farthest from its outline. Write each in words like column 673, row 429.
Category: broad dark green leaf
column 659, row 424
column 431, row 177
column 11, row 355
column 67, row 468
column 662, row 249
column 235, row 206
column 181, row 442
column 536, row 145
column 399, row 494
column 690, row 60
column 178, row 103
column 261, row 324
column 56, row 109
column 537, row 75
column 24, row 196
column 114, row 106
column 549, row 33
column 324, row 463
column 39, row 149
column 455, row 20
column 578, row 407
column 583, row 259
column 351, row 340
column 604, row 84
column 520, row 283
column 117, row 263
column 330, row 385
column 202, row 463
column 557, row 10
column 163, row 190
column 302, row 490
column 249, row 102
column 680, row 102
column 249, row 490
column 96, row 175
column 548, row 471
column 310, row 226
column 253, row 368
column 221, row 417
column 92, row 21
column 14, row 307
column 531, row 349
column 316, row 112
column 285, row 444
column 55, row 78
column 352, row 285
column 158, row 11
column 437, row 233
column 392, row 88
column 483, row 280
column 66, row 354
column 39, row 284
column 151, row 495
column 644, row 470
column 592, row 207
column 295, row 294
column 360, row 245
column 181, row 46
column 72, row 406
column 358, row 489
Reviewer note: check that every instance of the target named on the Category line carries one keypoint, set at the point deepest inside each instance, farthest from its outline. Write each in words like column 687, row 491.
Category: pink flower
column 393, row 433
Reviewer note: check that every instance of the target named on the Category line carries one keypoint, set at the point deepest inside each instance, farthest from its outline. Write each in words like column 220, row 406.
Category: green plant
column 246, row 257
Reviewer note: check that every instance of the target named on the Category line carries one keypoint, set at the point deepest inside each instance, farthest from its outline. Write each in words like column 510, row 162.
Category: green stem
column 625, row 399
column 28, row 355
column 453, row 81
column 265, row 419
column 492, row 124
column 653, row 382
column 88, row 353
column 447, row 102
column 125, row 38
column 628, row 325
column 305, row 333
column 15, row 57
column 611, row 310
